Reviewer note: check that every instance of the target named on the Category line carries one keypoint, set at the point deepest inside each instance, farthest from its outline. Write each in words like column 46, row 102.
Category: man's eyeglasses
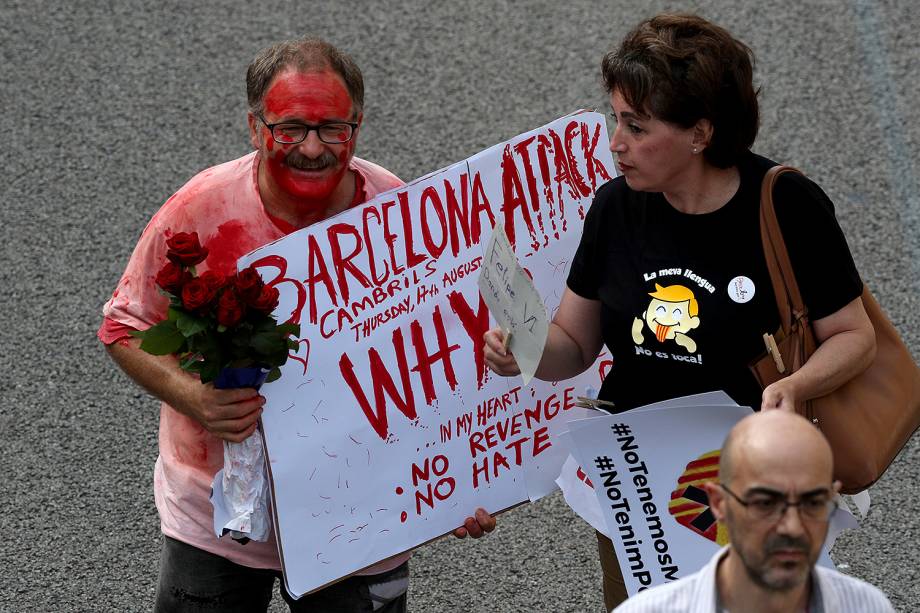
column 769, row 506
column 291, row 133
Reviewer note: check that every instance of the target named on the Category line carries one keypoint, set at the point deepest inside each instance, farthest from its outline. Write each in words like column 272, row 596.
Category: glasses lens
column 818, row 509
column 770, row 508
column 766, row 507
column 289, row 133
column 335, row 133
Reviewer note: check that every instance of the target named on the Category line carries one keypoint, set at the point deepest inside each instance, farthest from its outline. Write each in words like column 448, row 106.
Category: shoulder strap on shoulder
column 788, row 298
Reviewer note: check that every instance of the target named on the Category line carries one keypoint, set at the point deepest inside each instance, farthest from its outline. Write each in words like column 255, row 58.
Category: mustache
column 295, row 159
column 782, row 542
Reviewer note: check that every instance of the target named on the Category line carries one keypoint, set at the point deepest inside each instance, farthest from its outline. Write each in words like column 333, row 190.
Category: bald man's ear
column 836, row 487
column 716, row 499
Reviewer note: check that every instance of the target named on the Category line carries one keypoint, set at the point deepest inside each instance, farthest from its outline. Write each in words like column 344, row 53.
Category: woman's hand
column 846, row 346
column 779, row 395
column 498, row 358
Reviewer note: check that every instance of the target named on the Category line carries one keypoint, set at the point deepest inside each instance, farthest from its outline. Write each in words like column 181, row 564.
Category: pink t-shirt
column 223, row 205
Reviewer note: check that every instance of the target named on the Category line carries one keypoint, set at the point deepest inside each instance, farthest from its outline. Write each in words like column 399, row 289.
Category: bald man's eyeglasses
column 292, row 133
column 767, row 505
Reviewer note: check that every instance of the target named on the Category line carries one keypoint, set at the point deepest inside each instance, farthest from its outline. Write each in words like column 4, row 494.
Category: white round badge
column 741, row 289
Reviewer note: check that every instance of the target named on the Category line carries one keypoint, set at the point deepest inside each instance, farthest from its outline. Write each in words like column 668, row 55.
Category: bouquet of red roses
column 220, row 326
column 216, row 321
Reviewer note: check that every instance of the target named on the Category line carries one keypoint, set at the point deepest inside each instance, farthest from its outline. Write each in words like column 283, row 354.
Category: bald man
column 775, row 497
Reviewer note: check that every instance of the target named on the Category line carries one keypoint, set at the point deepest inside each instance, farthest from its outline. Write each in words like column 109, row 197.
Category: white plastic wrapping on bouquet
column 239, row 492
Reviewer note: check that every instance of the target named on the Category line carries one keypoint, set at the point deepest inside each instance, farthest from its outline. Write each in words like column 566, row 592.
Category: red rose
column 214, row 280
column 248, row 285
column 229, row 309
column 185, row 250
column 172, row 277
column 267, row 300
column 196, row 295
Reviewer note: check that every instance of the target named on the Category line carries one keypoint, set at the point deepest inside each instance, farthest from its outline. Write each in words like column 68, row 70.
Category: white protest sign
column 386, row 428
column 578, row 492
column 651, row 459
column 514, row 302
column 646, row 468
column 704, row 399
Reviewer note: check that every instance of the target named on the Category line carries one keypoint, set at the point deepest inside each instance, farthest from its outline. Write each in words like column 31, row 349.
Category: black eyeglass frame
column 830, row 504
column 308, row 127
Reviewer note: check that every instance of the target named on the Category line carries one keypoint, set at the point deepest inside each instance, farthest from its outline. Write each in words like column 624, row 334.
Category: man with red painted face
column 305, row 112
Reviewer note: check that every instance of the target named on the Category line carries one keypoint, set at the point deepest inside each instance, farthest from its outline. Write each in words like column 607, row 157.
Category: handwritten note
column 514, row 302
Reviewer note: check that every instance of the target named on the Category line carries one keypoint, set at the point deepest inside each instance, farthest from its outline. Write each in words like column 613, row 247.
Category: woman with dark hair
column 670, row 273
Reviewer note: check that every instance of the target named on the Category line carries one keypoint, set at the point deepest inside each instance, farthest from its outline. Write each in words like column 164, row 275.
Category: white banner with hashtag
column 647, row 468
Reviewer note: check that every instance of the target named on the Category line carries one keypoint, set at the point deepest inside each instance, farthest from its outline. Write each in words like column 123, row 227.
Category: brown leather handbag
column 871, row 417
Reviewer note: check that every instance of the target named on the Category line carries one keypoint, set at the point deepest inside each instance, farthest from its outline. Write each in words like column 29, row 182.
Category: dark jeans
column 195, row 581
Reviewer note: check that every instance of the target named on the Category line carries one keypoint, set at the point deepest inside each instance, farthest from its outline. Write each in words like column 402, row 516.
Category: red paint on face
column 313, row 98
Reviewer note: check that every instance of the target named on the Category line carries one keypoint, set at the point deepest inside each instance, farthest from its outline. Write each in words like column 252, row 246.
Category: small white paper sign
column 514, row 302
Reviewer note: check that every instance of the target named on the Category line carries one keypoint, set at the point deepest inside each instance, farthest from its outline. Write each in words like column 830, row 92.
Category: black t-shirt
column 685, row 299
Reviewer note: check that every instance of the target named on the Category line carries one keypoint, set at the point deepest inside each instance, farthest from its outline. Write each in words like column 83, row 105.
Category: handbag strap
column 788, row 298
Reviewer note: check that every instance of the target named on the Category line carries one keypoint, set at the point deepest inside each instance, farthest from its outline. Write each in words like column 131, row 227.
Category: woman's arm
column 846, row 348
column 572, row 344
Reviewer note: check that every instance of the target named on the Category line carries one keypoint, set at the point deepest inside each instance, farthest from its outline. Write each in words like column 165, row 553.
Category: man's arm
column 230, row 414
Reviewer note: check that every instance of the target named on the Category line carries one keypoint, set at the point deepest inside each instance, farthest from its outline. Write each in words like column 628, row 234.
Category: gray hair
column 308, row 54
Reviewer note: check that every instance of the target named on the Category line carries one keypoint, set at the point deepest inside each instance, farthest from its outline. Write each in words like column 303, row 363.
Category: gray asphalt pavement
column 109, row 107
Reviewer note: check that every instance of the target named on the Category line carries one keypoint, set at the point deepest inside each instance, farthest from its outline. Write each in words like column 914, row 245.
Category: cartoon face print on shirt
column 671, row 314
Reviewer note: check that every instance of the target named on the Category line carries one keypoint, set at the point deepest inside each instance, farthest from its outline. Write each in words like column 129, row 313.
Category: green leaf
column 264, row 325
column 188, row 362
column 289, row 328
column 194, row 366
column 273, row 374
column 266, row 343
column 209, row 371
column 189, row 324
column 241, row 339
column 163, row 339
